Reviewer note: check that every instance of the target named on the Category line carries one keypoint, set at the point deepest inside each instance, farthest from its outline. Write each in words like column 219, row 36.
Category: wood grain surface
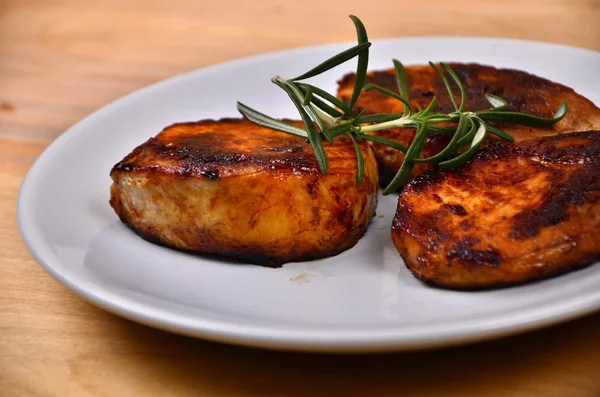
column 61, row 60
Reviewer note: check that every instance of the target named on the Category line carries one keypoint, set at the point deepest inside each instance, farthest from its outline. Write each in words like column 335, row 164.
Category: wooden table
column 60, row 60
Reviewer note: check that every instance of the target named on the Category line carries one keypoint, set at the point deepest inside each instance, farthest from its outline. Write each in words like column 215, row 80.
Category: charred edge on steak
column 463, row 251
column 477, row 80
column 545, row 149
column 254, row 253
column 202, row 154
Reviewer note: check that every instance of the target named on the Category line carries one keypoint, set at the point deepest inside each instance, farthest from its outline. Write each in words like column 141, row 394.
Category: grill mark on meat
column 316, row 217
column 421, row 227
column 456, row 209
column 311, row 188
column 210, row 174
column 580, row 188
column 463, row 250
column 428, row 178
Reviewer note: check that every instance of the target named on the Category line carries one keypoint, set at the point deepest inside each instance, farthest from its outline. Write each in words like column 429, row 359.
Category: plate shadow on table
column 187, row 364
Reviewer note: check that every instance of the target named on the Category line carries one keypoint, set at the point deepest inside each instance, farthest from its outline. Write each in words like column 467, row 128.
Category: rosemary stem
column 340, row 129
column 400, row 122
column 442, row 119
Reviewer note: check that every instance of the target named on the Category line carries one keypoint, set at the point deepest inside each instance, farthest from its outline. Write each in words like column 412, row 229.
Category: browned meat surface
column 235, row 189
column 523, row 92
column 512, row 214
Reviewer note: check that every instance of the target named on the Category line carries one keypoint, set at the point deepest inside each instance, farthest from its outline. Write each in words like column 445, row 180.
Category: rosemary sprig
column 326, row 117
column 363, row 60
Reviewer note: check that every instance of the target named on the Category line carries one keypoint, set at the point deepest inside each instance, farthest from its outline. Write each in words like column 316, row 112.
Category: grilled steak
column 513, row 213
column 235, row 189
column 523, row 92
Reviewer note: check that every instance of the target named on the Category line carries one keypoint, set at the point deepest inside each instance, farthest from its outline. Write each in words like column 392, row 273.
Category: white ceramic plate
column 361, row 300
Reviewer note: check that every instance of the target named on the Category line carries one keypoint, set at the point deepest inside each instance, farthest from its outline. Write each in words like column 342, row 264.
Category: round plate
column 361, row 300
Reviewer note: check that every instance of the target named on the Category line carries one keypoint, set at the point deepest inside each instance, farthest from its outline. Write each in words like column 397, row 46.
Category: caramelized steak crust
column 513, row 213
column 524, row 92
column 235, row 189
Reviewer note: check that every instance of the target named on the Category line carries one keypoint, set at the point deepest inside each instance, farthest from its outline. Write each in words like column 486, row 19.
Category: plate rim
column 262, row 336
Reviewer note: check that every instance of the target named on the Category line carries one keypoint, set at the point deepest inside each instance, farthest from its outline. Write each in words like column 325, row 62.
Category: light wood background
column 60, row 60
